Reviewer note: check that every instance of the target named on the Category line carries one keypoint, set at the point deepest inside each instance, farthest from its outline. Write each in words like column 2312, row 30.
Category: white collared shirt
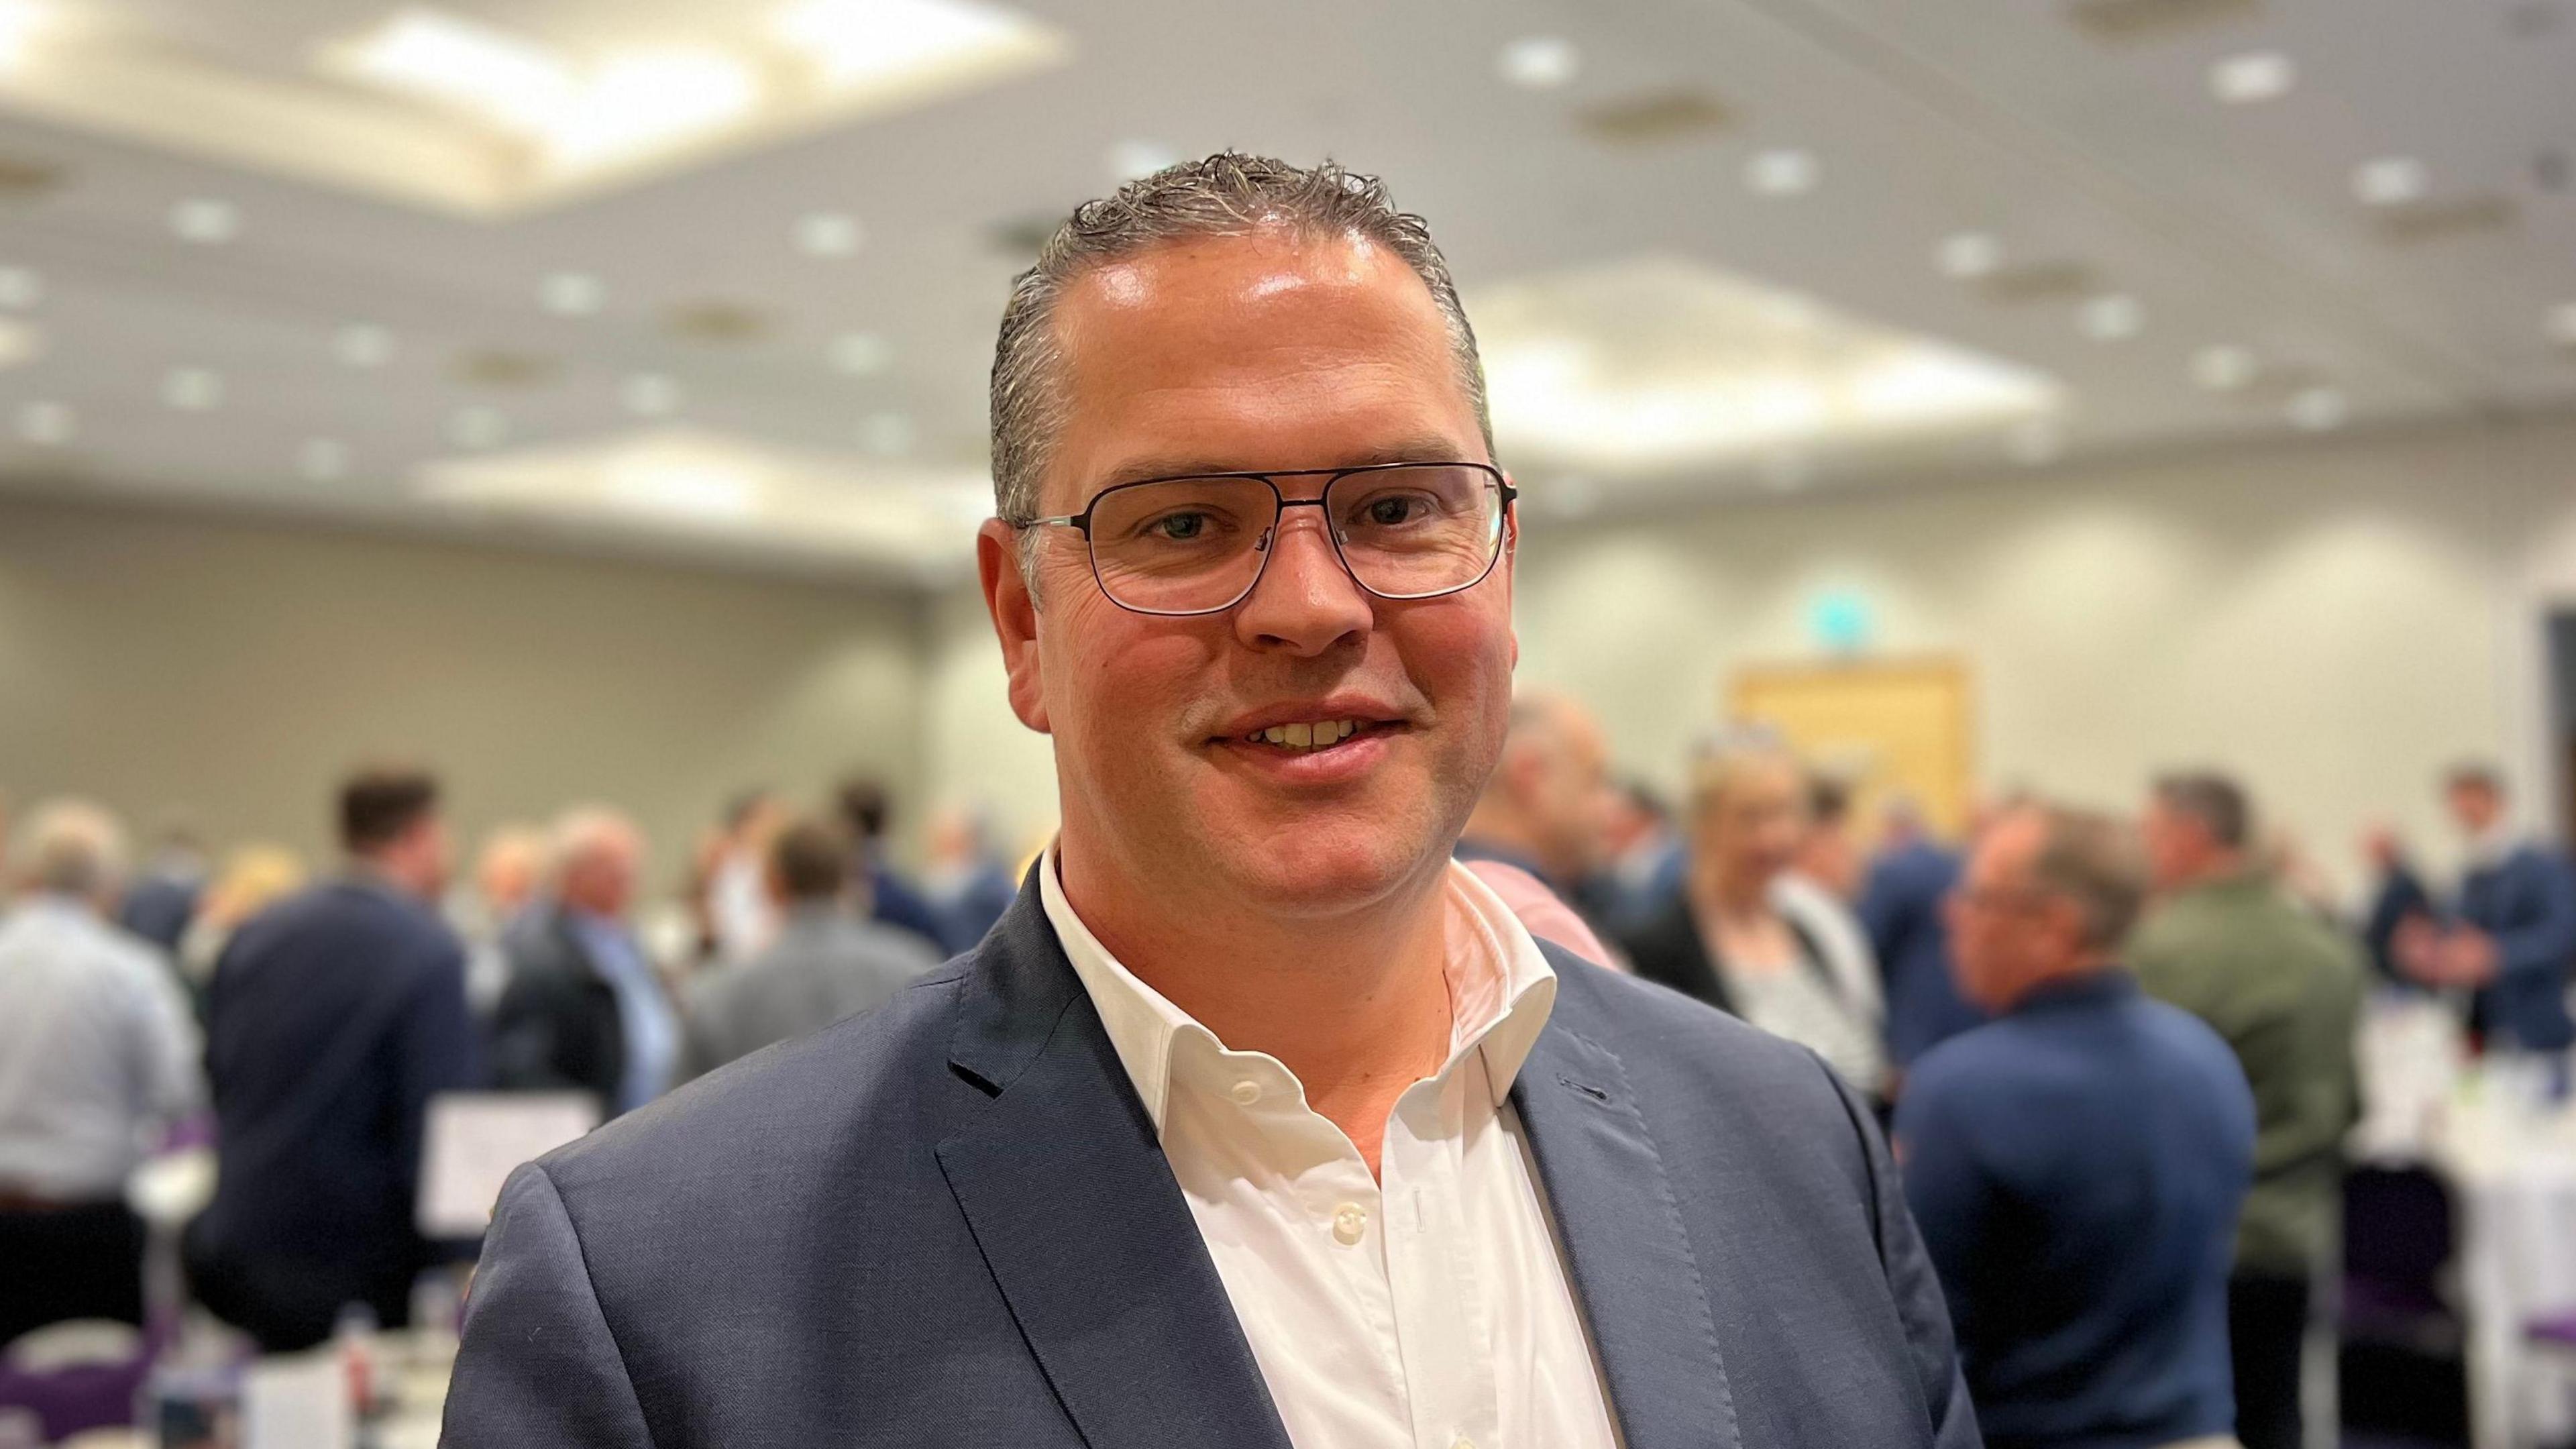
column 1429, row 1309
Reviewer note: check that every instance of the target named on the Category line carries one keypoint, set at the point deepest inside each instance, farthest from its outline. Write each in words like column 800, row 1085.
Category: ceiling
column 2048, row 184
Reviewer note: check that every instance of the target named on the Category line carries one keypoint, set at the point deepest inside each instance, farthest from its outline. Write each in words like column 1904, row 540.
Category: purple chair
column 78, row 1396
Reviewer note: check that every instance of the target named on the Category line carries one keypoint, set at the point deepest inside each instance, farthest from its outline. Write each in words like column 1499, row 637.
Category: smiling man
column 1256, row 1122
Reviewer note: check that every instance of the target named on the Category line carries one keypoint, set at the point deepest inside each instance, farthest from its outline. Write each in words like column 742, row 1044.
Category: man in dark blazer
column 2509, row 937
column 1257, row 1122
column 583, row 1010
column 332, row 1020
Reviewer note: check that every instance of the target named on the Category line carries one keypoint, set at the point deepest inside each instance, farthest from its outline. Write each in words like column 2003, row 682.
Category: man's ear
column 1511, row 556
column 1015, row 619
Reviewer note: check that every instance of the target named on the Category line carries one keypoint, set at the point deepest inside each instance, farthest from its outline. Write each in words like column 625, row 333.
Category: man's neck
column 383, row 876
column 1356, row 1005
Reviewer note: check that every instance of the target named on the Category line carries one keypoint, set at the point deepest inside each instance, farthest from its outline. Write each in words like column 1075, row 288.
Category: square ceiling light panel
column 706, row 486
column 1658, row 364
column 464, row 111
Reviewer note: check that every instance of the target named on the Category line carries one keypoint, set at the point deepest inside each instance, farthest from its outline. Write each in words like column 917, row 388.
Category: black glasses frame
column 1082, row 521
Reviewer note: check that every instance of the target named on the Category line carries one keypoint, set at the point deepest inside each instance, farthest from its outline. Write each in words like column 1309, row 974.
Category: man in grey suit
column 1257, row 1122
column 825, row 964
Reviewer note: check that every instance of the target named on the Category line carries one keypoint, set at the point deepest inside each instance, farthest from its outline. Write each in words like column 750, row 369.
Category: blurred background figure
column 98, row 1057
column 584, row 1009
column 1831, row 854
column 509, row 871
column 964, row 877
column 2506, row 939
column 1545, row 808
column 823, row 964
column 162, row 897
column 1902, row 902
column 334, row 1017
column 1643, row 860
column 2228, row 944
column 2077, row 1166
column 253, row 877
column 742, row 916
column 1749, row 937
column 884, row 893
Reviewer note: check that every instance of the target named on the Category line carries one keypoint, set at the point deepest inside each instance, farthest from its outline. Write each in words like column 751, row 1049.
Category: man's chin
column 1314, row 874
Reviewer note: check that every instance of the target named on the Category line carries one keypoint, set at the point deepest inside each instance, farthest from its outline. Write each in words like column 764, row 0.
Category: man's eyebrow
column 1426, row 449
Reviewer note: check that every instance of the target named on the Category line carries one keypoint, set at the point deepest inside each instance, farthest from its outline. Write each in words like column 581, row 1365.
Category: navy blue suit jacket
column 2527, row 902
column 948, row 1222
column 333, row 1018
column 1900, row 907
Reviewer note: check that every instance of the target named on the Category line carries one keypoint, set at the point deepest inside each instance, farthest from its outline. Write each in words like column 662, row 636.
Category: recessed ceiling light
column 1540, row 62
column 193, row 389
column 1968, row 255
column 1786, row 171
column 649, row 394
column 19, row 342
column 2391, row 181
column 20, row 288
column 1134, row 160
column 363, row 344
column 46, row 424
column 2257, row 75
column 829, row 234
column 322, row 459
column 19, row 22
column 2112, row 317
column 2035, row 442
column 2223, row 367
column 2562, row 324
column 572, row 294
column 206, row 221
column 886, row 434
column 478, row 427
column 862, row 354
column 2319, row 410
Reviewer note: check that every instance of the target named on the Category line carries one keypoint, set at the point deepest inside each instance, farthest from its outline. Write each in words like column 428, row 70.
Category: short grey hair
column 2213, row 799
column 73, row 848
column 1226, row 194
column 2095, row 862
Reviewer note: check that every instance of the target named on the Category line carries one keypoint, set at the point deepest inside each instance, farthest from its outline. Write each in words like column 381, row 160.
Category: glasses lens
column 1182, row 544
column 1418, row 530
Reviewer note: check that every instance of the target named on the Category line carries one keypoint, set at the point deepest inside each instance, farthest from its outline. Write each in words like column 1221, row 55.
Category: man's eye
column 1388, row 511
column 1178, row 527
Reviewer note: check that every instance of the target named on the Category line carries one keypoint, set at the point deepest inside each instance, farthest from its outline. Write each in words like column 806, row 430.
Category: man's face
column 2002, row 931
column 2475, row 807
column 1572, row 797
column 1242, row 354
column 2178, row 846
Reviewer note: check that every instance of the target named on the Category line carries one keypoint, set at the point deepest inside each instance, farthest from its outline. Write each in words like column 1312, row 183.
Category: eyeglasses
column 1198, row 544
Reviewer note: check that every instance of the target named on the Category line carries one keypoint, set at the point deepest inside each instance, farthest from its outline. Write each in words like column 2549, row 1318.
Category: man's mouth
column 1306, row 735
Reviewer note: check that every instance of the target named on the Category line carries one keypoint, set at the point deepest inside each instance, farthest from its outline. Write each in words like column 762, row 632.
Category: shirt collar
column 1501, row 991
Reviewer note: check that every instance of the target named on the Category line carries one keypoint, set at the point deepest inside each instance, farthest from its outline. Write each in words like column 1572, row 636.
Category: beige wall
column 236, row 669
column 2336, row 622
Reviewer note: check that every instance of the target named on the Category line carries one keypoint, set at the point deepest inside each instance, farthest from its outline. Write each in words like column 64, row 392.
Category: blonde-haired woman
column 1747, row 934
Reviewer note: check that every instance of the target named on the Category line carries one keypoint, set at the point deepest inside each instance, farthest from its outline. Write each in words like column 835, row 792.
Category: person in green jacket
column 2228, row 945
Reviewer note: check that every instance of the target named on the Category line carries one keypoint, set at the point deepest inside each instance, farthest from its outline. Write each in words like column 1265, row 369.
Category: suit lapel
column 1068, row 1195
column 1621, row 1228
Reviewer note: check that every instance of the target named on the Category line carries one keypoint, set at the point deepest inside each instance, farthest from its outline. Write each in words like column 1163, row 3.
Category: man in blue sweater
column 2076, row 1167
column 2508, row 939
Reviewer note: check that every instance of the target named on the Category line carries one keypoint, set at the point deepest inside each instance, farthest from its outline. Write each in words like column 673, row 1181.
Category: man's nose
column 1306, row 602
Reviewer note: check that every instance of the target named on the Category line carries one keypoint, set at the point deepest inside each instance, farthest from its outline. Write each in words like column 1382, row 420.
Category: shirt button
column 1246, row 1092
column 1350, row 1223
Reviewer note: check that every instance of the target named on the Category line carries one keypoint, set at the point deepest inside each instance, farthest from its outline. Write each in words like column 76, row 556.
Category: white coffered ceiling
column 2052, row 188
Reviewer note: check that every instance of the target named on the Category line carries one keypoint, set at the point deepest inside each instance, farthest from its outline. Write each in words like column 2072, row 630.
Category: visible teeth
column 1301, row 735
column 1306, row 735
column 1276, row 734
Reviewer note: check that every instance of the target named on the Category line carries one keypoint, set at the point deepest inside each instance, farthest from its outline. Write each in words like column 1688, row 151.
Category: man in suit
column 1257, row 1121
column 2077, row 1164
column 583, row 1010
column 825, row 964
column 1546, row 809
column 333, row 1019
column 2508, row 939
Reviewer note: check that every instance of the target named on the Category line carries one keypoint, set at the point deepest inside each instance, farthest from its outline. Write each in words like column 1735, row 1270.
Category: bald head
column 597, row 854
column 1549, row 795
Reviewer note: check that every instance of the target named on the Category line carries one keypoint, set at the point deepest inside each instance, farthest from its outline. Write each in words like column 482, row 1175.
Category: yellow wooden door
column 1889, row 728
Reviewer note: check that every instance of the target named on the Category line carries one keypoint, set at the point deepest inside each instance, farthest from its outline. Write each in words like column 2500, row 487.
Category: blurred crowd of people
column 2115, row 1055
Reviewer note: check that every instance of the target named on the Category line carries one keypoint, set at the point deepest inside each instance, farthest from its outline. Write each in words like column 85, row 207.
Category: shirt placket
column 1443, row 1321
